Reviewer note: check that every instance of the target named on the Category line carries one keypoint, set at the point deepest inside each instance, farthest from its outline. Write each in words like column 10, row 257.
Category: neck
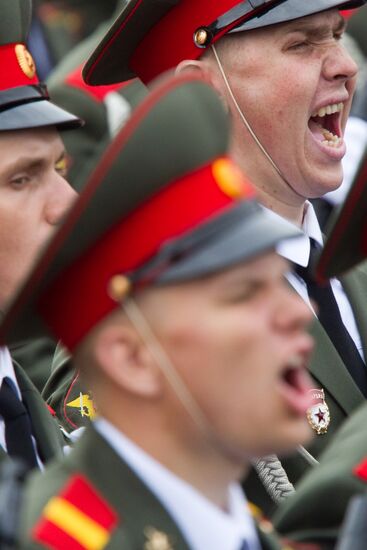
column 292, row 213
column 272, row 191
column 198, row 464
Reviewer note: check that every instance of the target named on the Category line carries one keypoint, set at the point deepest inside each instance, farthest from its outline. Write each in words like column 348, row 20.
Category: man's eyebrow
column 28, row 163
column 318, row 30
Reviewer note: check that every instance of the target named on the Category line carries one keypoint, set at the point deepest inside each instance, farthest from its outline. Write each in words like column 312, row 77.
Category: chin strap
column 162, row 360
column 247, row 124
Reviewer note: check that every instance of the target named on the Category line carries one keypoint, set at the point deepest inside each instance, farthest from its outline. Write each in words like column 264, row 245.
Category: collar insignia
column 156, row 540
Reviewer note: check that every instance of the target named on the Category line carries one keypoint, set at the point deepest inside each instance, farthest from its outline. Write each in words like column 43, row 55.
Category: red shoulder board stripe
column 51, row 410
column 98, row 93
column 361, row 470
column 77, row 519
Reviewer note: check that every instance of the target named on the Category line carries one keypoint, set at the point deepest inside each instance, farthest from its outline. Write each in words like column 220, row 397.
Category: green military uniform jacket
column 45, row 429
column 316, row 511
column 141, row 522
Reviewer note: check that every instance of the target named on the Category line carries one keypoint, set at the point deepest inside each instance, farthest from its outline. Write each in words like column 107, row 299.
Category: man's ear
column 126, row 362
column 205, row 70
column 193, row 66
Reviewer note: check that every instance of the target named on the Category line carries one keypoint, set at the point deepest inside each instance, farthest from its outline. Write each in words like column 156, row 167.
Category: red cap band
column 98, row 93
column 78, row 298
column 18, row 67
column 171, row 39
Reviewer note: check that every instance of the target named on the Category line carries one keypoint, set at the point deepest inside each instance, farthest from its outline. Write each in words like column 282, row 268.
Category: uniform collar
column 297, row 250
column 189, row 509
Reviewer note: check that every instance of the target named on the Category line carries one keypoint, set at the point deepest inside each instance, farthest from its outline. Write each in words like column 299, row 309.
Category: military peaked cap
column 24, row 101
column 152, row 36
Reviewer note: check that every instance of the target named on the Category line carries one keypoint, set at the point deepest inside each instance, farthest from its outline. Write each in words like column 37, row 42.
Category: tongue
column 295, row 390
column 316, row 130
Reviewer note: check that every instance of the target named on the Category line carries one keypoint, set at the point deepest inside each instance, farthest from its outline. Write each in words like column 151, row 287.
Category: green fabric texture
column 36, row 356
column 14, row 21
column 49, row 439
column 136, row 507
column 316, row 511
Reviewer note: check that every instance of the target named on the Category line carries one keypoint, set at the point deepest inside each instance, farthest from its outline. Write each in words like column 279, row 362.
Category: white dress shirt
column 6, row 369
column 297, row 250
column 203, row 525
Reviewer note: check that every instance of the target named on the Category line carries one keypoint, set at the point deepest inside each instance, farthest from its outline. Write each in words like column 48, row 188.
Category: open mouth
column 295, row 385
column 325, row 125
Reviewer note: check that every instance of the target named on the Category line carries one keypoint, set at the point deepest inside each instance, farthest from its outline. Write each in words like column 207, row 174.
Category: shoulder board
column 78, row 518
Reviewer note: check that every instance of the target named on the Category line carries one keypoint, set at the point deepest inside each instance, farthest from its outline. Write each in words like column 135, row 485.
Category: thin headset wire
column 306, row 455
column 274, row 478
column 245, row 122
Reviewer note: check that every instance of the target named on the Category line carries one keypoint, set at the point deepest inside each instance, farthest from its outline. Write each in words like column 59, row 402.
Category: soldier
column 185, row 327
column 34, row 197
column 288, row 83
column 317, row 510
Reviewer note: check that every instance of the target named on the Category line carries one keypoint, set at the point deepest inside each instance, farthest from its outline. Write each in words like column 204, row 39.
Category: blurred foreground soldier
column 34, row 197
column 185, row 328
column 288, row 82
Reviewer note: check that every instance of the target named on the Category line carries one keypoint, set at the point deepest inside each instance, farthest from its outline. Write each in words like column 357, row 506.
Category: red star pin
column 320, row 415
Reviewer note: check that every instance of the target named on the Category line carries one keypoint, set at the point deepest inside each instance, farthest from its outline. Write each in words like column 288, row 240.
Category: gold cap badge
column 25, row 60
column 200, row 38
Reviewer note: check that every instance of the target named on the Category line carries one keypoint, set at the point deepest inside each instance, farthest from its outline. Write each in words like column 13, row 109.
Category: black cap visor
column 295, row 9
column 37, row 114
column 26, row 107
column 236, row 236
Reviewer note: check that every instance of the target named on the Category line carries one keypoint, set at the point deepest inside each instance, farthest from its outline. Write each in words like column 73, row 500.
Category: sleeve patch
column 78, row 519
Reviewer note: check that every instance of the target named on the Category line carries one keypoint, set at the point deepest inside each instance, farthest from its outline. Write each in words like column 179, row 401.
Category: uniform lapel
column 355, row 286
column 45, row 429
column 142, row 521
column 330, row 372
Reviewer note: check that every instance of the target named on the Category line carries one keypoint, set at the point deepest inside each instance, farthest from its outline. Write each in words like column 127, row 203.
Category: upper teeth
column 329, row 110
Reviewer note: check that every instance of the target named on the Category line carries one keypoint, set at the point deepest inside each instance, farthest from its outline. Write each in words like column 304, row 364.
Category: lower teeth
column 331, row 140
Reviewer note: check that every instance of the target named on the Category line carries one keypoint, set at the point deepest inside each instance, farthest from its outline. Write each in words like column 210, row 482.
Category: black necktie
column 245, row 546
column 18, row 433
column 330, row 318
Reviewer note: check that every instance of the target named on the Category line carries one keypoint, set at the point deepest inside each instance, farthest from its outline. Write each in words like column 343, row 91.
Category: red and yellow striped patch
column 77, row 519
